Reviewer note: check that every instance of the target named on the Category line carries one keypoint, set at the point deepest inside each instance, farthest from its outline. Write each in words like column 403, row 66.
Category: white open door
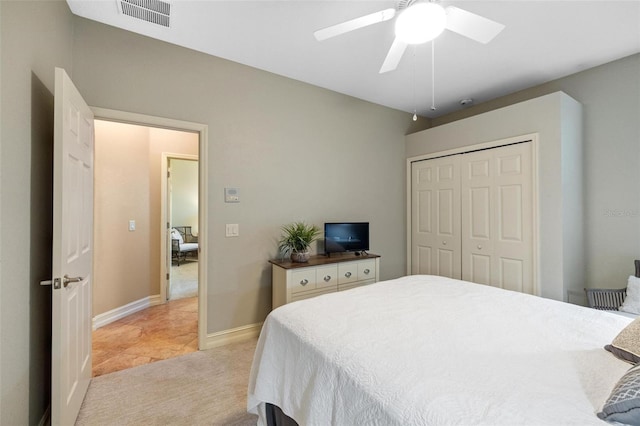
column 72, row 251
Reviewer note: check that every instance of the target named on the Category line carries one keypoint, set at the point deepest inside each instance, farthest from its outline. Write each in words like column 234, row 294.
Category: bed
column 423, row 350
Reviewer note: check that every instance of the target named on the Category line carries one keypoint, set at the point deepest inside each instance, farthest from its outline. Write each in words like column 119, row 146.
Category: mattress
column 426, row 350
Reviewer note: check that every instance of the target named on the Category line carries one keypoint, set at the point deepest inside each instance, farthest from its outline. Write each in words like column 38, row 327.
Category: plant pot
column 300, row 256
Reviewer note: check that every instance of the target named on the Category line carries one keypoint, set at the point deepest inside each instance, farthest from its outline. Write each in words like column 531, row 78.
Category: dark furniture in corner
column 183, row 242
column 608, row 299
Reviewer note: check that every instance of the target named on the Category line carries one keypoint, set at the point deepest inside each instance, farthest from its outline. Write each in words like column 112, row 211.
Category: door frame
column 202, row 130
column 533, row 137
column 165, row 250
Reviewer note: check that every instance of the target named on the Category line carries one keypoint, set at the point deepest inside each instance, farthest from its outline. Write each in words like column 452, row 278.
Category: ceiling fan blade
column 354, row 24
column 393, row 56
column 470, row 25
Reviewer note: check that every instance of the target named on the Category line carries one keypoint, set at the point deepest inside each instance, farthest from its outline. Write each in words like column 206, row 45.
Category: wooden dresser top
column 322, row 259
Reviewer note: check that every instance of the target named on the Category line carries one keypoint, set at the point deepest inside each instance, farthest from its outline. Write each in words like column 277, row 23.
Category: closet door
column 497, row 217
column 435, row 217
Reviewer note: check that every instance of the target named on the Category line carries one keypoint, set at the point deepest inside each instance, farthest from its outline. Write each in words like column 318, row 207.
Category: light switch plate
column 132, row 225
column 232, row 230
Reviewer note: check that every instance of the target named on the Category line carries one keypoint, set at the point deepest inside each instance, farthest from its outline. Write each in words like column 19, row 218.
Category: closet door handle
column 479, row 247
column 444, row 243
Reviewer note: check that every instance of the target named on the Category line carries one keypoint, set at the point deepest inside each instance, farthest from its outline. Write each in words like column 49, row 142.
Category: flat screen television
column 346, row 236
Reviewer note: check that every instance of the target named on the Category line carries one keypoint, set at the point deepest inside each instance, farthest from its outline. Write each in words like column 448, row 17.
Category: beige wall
column 184, row 194
column 127, row 187
column 121, row 269
column 35, row 37
column 610, row 96
column 295, row 152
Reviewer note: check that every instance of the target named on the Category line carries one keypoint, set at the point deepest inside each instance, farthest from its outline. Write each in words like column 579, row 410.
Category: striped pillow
column 623, row 405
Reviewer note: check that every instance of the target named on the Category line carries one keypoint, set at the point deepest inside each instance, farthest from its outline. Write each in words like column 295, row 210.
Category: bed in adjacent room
column 423, row 350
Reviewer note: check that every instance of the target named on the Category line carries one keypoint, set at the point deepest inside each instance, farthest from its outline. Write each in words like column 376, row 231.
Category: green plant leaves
column 297, row 237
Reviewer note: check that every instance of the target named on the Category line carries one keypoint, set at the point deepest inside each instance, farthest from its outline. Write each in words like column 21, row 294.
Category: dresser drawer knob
column 327, row 278
column 348, row 274
column 304, row 282
column 366, row 271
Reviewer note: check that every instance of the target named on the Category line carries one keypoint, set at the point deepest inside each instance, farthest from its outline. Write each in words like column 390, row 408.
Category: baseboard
column 46, row 417
column 105, row 318
column 232, row 335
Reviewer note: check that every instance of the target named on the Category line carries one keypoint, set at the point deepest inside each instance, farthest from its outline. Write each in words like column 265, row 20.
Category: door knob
column 479, row 247
column 66, row 280
column 444, row 243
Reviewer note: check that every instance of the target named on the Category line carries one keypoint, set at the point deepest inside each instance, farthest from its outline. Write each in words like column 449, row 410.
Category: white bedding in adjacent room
column 425, row 350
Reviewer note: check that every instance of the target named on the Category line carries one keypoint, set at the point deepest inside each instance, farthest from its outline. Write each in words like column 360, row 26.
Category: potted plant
column 296, row 239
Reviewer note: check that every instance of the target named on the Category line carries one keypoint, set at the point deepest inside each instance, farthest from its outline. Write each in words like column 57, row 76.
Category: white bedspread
column 426, row 350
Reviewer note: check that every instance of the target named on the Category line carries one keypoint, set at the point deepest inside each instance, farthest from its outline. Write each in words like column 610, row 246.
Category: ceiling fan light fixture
column 421, row 22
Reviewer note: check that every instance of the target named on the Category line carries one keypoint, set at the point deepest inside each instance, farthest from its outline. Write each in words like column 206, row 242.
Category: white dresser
column 321, row 275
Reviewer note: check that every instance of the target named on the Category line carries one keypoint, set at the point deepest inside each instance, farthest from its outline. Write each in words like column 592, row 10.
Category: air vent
column 154, row 11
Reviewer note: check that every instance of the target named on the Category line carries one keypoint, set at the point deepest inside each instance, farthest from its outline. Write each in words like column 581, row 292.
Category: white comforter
column 426, row 350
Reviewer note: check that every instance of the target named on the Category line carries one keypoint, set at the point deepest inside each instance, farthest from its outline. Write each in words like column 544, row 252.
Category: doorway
column 134, row 269
column 181, row 215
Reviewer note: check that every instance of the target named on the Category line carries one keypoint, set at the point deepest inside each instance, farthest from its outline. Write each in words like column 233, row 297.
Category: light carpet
column 202, row 388
column 184, row 279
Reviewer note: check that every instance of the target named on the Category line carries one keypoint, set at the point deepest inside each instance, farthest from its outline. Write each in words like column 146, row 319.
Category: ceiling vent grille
column 154, row 11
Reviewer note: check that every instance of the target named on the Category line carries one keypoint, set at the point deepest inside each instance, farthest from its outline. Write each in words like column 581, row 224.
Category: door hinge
column 167, row 275
column 168, row 225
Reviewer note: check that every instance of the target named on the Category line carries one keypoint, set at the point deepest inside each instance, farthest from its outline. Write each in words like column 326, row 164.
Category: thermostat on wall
column 231, row 195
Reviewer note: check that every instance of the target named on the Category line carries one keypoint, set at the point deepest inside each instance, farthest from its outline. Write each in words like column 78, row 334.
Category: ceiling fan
column 418, row 21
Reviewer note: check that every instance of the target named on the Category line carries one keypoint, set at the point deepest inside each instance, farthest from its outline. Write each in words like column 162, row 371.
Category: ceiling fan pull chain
column 433, row 75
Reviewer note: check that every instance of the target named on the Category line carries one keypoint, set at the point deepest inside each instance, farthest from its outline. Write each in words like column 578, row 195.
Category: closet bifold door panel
column 497, row 217
column 435, row 217
column 472, row 217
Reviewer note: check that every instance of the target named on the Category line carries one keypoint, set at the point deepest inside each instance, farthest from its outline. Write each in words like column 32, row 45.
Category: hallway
column 153, row 334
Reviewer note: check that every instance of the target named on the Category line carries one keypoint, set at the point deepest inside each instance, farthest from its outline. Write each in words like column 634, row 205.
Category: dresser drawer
column 309, row 294
column 303, row 280
column 327, row 276
column 366, row 270
column 347, row 272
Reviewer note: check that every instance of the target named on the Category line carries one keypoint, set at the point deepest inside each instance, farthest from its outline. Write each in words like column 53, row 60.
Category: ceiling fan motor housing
column 420, row 22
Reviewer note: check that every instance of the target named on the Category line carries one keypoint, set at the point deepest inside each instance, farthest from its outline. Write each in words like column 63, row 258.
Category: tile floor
column 156, row 333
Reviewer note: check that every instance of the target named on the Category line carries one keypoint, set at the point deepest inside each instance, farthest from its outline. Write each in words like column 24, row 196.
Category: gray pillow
column 623, row 355
column 623, row 405
column 626, row 344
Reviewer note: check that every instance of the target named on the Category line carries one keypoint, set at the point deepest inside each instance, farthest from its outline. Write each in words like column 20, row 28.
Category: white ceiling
column 542, row 41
